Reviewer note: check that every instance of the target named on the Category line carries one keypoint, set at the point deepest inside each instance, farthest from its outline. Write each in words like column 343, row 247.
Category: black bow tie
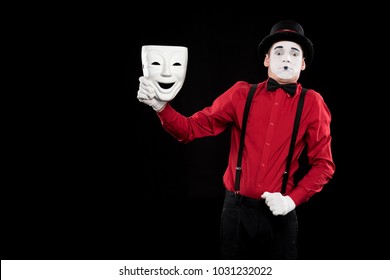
column 274, row 85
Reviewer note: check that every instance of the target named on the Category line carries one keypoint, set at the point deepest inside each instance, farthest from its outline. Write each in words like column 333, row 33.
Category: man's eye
column 295, row 54
column 155, row 63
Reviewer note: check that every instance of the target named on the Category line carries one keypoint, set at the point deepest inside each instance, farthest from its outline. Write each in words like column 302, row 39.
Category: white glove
column 147, row 95
column 278, row 204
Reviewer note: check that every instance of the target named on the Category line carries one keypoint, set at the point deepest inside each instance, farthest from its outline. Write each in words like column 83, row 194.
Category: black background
column 93, row 175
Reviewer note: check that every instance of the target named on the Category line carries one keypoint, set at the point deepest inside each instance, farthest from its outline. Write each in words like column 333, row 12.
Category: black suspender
column 292, row 143
column 241, row 148
column 293, row 139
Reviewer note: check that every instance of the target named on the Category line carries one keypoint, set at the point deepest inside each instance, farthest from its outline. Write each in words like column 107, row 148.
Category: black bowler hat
column 288, row 30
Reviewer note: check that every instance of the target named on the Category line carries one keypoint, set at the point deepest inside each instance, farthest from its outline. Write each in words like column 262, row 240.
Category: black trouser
column 249, row 230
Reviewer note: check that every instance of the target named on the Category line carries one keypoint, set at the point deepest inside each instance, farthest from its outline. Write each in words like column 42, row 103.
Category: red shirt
column 267, row 140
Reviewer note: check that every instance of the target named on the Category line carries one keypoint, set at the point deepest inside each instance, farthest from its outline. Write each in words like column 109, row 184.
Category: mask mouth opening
column 165, row 85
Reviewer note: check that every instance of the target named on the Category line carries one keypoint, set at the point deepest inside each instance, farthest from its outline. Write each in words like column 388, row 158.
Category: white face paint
column 286, row 59
column 165, row 67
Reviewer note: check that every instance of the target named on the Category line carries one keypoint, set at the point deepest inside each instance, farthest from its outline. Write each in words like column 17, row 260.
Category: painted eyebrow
column 281, row 47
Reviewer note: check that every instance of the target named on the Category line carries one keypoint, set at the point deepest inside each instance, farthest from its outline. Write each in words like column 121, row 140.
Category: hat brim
column 305, row 43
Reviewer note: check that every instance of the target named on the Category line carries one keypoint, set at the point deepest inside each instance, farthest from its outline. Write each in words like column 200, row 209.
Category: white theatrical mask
column 286, row 59
column 165, row 67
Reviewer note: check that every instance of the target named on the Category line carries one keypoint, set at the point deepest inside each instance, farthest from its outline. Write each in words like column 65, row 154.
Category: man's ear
column 266, row 60
column 303, row 66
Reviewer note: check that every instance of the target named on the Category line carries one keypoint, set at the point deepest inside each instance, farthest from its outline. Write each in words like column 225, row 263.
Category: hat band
column 286, row 30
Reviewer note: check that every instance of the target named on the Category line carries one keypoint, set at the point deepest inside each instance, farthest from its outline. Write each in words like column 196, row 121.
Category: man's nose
column 286, row 58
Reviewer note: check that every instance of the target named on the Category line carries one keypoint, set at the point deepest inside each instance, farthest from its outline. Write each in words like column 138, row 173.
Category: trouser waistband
column 244, row 200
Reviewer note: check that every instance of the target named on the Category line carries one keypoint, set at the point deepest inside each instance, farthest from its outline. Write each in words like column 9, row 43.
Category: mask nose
column 166, row 72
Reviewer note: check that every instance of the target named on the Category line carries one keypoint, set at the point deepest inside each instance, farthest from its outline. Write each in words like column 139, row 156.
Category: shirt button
column 262, row 165
column 271, row 124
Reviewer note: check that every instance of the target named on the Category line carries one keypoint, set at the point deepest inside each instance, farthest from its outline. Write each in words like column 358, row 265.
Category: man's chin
column 285, row 76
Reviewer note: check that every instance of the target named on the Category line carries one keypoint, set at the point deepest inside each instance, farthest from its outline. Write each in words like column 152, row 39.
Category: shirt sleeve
column 318, row 139
column 210, row 121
